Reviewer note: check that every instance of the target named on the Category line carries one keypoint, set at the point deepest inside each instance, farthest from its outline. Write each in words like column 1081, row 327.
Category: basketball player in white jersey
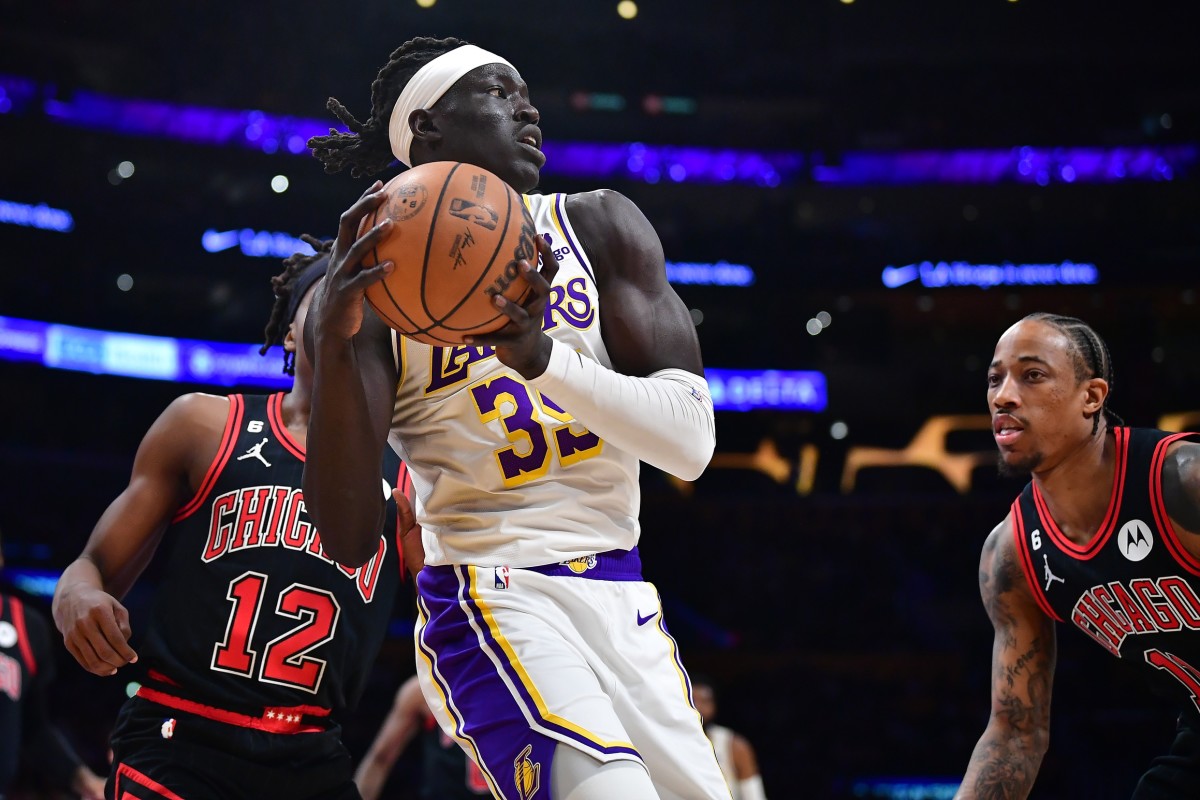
column 540, row 648
column 734, row 753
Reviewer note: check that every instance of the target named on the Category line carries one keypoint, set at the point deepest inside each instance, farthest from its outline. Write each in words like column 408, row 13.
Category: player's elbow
column 688, row 459
column 350, row 538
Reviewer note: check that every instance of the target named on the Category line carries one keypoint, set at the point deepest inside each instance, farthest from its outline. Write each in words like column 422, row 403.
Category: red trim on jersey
column 274, row 719
column 1108, row 524
column 275, row 415
column 1159, row 506
column 126, row 771
column 233, row 424
column 155, row 675
column 404, row 483
column 1026, row 559
column 18, row 621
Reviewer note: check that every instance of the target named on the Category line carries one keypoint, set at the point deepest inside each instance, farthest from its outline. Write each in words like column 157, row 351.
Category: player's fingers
column 89, row 659
column 404, row 507
column 100, row 633
column 122, row 618
column 549, row 262
column 116, row 636
column 356, row 252
column 348, row 224
column 370, row 275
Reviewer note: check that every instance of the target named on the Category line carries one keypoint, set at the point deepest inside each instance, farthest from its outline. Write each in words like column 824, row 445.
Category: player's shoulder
column 614, row 231
column 196, row 408
column 601, row 209
column 1181, row 483
column 999, row 548
column 189, row 420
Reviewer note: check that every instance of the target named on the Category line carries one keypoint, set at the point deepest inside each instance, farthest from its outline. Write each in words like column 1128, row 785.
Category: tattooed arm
column 1008, row 755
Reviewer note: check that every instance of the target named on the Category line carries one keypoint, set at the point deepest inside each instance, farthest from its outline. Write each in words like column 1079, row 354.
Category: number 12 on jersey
column 286, row 660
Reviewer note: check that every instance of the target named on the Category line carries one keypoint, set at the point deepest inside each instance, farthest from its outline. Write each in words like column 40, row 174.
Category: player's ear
column 289, row 341
column 1095, row 392
column 423, row 126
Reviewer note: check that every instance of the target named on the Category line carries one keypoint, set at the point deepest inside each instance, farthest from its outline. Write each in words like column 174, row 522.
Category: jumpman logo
column 255, row 452
column 1050, row 576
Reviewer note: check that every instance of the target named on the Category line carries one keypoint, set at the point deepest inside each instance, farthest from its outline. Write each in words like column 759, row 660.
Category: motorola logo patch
column 1135, row 540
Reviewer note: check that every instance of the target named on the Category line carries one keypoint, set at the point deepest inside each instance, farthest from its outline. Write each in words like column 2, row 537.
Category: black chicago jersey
column 1133, row 588
column 251, row 612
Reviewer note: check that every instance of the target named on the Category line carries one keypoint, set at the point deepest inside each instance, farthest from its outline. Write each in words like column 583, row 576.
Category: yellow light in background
column 426, row 3
column 627, row 9
column 847, row 2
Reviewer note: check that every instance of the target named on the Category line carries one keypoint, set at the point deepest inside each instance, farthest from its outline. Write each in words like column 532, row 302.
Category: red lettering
column 1161, row 613
column 1133, row 612
column 219, row 531
column 1106, row 601
column 1101, row 618
column 277, row 508
column 1182, row 598
column 295, row 532
column 252, row 508
column 368, row 574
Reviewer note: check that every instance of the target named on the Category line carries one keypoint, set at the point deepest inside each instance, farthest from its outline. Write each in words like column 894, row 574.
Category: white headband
column 426, row 87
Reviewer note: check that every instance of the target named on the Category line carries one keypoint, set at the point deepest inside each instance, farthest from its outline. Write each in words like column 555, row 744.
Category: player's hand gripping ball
column 458, row 233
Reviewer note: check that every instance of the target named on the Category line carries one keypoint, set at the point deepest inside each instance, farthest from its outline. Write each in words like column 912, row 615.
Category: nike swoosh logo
column 643, row 620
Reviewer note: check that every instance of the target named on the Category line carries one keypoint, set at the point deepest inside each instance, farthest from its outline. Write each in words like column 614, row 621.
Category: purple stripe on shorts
column 612, row 565
column 515, row 677
column 490, row 715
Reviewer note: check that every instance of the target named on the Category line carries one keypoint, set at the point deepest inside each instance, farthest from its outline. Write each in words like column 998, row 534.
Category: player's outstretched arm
column 1008, row 755
column 354, row 381
column 654, row 403
column 169, row 466
column 402, row 724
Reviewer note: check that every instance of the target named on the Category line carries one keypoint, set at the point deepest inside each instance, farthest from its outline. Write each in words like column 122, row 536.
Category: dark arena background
column 855, row 199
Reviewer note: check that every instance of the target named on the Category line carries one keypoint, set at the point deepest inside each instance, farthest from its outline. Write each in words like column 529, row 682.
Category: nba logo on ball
column 1135, row 540
column 501, row 577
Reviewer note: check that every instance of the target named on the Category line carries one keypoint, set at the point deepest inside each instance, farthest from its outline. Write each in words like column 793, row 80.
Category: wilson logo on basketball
column 407, row 202
column 525, row 249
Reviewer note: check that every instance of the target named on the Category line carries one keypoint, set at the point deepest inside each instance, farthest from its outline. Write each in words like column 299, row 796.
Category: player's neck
column 295, row 411
column 1078, row 489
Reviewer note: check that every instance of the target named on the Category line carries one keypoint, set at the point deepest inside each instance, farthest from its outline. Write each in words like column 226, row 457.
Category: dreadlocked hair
column 1090, row 355
column 366, row 149
column 283, row 285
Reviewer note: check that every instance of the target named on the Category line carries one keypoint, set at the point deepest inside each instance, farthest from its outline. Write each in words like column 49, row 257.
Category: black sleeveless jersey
column 250, row 612
column 447, row 773
column 1133, row 588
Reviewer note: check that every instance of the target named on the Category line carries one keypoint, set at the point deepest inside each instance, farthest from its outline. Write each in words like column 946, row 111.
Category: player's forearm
column 82, row 573
column 341, row 470
column 1004, row 764
column 665, row 420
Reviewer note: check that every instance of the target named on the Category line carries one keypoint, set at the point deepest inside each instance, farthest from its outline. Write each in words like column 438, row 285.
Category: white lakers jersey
column 503, row 475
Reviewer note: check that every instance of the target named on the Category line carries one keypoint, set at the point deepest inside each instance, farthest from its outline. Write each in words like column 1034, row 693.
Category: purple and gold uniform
column 535, row 628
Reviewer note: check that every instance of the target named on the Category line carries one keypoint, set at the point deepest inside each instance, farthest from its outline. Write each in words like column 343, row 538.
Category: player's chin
column 1013, row 464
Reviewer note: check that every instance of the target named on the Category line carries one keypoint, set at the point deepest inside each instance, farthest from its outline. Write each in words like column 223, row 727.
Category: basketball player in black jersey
column 446, row 772
column 258, row 640
column 1106, row 537
column 26, row 731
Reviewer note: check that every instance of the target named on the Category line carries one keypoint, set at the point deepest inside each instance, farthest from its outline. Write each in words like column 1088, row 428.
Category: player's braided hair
column 286, row 300
column 1090, row 354
column 366, row 149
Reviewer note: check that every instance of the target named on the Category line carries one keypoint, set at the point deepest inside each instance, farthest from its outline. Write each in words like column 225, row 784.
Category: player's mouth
column 531, row 140
column 1006, row 429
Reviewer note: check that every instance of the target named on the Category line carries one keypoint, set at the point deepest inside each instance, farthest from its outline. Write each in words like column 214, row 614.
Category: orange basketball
column 457, row 236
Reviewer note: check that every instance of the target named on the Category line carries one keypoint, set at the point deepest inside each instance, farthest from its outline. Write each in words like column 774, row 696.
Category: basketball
column 457, row 236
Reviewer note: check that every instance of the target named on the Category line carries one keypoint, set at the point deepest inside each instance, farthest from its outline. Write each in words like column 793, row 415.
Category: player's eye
column 496, row 91
column 993, row 379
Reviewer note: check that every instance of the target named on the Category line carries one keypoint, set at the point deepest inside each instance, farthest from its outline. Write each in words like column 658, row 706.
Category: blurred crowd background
column 902, row 180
